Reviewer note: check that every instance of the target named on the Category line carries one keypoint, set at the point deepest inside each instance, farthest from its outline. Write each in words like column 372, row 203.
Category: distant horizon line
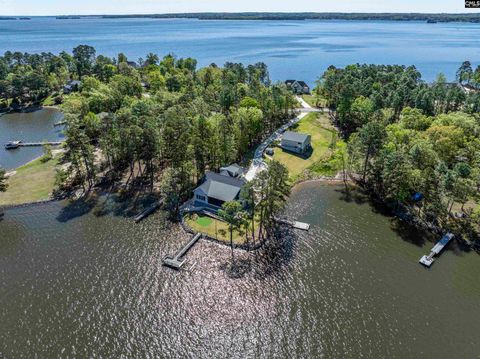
column 191, row 14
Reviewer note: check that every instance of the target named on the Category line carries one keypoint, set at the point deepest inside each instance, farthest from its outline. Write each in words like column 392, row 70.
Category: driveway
column 258, row 163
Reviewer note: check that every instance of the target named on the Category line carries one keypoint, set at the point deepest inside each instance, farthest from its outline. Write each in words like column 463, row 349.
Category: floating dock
column 435, row 251
column 301, row 225
column 147, row 211
column 294, row 224
column 177, row 261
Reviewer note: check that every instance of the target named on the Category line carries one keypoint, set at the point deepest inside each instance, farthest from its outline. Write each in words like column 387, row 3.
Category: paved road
column 258, row 164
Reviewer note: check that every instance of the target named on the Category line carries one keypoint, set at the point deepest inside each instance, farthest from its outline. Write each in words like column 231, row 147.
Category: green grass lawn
column 312, row 102
column 32, row 182
column 49, row 101
column 214, row 228
column 318, row 126
column 204, row 221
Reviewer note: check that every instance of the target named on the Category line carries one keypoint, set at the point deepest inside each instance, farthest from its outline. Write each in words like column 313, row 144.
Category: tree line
column 161, row 123
column 297, row 16
column 415, row 146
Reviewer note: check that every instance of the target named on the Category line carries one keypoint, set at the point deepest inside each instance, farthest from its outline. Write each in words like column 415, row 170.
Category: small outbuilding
column 296, row 142
column 72, row 86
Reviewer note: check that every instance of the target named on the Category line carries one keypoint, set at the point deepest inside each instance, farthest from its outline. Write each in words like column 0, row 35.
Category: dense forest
column 312, row 16
column 415, row 146
column 159, row 124
column 153, row 123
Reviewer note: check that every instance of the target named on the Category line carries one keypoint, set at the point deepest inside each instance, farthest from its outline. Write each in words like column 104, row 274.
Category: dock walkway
column 38, row 144
column 435, row 251
column 148, row 211
column 177, row 261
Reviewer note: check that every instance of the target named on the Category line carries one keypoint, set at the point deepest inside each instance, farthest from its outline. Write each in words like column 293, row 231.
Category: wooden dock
column 435, row 251
column 148, row 211
column 177, row 261
column 38, row 144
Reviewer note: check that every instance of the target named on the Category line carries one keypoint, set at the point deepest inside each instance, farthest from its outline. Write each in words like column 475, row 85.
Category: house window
column 201, row 198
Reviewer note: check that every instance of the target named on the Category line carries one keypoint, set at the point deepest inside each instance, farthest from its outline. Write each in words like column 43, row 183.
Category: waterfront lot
column 31, row 182
column 317, row 125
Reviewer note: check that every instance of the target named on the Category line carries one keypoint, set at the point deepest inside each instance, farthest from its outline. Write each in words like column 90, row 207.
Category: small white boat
column 12, row 145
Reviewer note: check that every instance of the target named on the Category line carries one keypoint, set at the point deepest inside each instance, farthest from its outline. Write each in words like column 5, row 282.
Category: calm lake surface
column 34, row 126
column 292, row 49
column 77, row 281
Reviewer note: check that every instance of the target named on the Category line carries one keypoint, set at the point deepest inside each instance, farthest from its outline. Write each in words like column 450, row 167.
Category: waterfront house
column 71, row 86
column 216, row 189
column 296, row 142
column 298, row 87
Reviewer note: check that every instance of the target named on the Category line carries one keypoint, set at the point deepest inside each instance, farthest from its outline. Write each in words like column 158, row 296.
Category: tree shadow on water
column 271, row 259
column 277, row 253
column 410, row 233
column 77, row 208
column 237, row 269
column 106, row 203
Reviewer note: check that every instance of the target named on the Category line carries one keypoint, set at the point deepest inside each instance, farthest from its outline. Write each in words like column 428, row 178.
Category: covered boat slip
column 428, row 260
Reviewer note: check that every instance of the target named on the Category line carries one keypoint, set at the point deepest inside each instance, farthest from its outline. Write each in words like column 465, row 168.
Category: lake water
column 292, row 49
column 36, row 126
column 84, row 281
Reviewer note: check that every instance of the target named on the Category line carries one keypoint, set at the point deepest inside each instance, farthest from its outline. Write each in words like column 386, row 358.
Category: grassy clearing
column 31, row 182
column 323, row 135
column 312, row 101
column 213, row 228
column 49, row 101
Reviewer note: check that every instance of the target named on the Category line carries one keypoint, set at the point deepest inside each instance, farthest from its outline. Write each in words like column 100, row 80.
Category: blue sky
column 63, row 7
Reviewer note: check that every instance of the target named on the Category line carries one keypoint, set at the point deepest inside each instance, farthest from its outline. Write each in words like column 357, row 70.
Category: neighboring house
column 232, row 171
column 298, row 87
column 296, row 142
column 132, row 64
column 71, row 86
column 217, row 189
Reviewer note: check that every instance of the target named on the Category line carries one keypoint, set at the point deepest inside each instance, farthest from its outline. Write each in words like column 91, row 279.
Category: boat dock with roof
column 428, row 260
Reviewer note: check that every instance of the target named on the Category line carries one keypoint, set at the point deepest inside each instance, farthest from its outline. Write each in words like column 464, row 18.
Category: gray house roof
column 291, row 82
column 223, row 188
column 295, row 136
column 233, row 170
column 302, row 83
